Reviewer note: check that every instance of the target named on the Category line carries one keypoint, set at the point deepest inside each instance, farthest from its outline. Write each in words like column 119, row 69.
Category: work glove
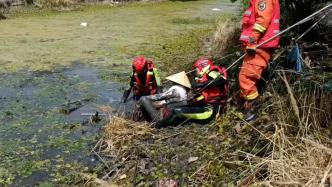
column 197, row 85
column 251, row 48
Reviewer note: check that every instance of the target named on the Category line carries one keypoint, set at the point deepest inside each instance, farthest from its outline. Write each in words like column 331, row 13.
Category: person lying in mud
column 210, row 97
column 144, row 81
column 156, row 107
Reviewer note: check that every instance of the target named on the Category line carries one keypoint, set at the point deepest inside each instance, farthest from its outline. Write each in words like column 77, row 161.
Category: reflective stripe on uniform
column 149, row 73
column 199, row 116
column 244, row 37
column 251, row 96
column 276, row 21
column 214, row 74
column 204, row 70
column 200, row 98
column 276, row 31
column 156, row 76
column 248, row 12
column 259, row 28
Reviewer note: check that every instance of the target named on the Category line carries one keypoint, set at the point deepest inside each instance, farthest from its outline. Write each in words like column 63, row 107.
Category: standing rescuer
column 144, row 81
column 260, row 22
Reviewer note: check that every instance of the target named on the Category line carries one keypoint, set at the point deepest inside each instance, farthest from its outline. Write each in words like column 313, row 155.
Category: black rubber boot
column 149, row 108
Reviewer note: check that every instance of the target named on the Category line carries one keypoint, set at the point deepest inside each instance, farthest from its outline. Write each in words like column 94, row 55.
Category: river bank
column 50, row 64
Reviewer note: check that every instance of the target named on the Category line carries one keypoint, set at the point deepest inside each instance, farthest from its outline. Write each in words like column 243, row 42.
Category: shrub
column 55, row 3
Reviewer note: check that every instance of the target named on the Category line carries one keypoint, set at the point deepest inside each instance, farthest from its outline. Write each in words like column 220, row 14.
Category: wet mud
column 35, row 126
column 47, row 100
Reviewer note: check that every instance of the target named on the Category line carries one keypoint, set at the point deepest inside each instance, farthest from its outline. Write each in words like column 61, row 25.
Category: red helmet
column 202, row 65
column 139, row 64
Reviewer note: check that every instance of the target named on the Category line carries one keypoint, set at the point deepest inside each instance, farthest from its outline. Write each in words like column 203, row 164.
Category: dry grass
column 301, row 153
column 225, row 36
column 116, row 150
column 301, row 162
column 121, row 135
column 120, row 131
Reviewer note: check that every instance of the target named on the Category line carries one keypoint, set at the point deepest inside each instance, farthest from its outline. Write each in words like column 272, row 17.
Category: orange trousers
column 251, row 71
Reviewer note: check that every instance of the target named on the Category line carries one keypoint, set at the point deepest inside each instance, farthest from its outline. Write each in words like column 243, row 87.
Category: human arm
column 263, row 17
column 215, row 79
column 163, row 96
column 264, row 10
column 126, row 93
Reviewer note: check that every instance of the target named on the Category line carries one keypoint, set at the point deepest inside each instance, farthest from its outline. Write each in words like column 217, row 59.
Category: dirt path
column 50, row 64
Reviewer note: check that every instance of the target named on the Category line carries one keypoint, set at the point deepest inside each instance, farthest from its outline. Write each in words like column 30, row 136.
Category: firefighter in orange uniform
column 260, row 22
column 144, row 81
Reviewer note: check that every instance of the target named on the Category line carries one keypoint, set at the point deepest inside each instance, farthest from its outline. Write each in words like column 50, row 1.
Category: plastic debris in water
column 84, row 24
column 216, row 9
column 92, row 114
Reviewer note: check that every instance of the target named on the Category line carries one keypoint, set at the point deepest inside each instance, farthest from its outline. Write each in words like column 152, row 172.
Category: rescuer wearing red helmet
column 144, row 80
column 210, row 82
column 210, row 88
column 260, row 22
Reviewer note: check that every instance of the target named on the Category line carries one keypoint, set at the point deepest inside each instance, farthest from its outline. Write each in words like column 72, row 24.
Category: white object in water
column 84, row 24
column 216, row 9
column 92, row 114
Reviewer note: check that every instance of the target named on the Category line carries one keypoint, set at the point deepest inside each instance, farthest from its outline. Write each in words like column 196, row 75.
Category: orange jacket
column 261, row 22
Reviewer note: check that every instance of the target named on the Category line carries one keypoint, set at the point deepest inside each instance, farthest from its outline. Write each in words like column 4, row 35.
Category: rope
column 316, row 23
column 308, row 18
column 284, row 31
column 273, row 37
column 221, row 58
column 296, row 24
column 301, row 36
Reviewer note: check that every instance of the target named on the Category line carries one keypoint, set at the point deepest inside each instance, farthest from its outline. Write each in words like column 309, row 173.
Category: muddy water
column 46, row 94
column 38, row 140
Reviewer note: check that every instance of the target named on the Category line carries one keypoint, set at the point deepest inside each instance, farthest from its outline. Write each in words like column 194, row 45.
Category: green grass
column 170, row 33
column 43, row 39
column 196, row 20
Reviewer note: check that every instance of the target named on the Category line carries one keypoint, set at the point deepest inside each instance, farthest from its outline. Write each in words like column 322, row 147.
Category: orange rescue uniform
column 260, row 22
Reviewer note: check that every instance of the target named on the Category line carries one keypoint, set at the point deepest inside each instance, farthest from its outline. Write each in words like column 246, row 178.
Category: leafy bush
column 294, row 10
column 55, row 3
